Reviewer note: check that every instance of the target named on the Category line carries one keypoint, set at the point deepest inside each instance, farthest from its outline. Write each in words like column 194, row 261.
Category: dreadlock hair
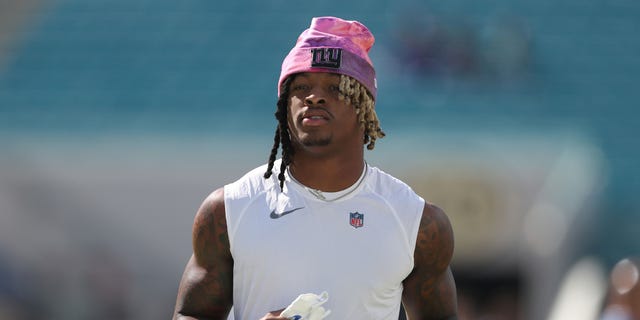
column 282, row 134
column 350, row 91
column 355, row 94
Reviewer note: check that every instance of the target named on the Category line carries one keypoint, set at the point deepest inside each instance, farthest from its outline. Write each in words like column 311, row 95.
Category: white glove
column 307, row 306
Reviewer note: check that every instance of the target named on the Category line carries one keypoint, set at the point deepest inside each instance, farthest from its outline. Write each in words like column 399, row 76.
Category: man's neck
column 327, row 174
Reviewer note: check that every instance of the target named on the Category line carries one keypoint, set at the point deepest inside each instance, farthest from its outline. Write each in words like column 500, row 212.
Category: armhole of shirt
column 409, row 226
column 235, row 218
column 413, row 236
column 230, row 222
column 233, row 190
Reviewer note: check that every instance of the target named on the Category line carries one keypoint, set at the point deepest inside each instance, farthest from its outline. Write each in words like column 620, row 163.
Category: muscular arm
column 206, row 287
column 430, row 291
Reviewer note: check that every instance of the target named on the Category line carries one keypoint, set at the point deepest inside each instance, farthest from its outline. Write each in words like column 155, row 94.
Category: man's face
column 317, row 117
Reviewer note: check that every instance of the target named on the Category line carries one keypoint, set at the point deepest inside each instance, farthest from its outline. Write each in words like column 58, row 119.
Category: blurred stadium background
column 519, row 118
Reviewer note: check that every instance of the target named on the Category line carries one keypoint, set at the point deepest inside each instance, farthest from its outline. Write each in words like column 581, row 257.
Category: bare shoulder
column 213, row 204
column 434, row 245
column 207, row 283
column 430, row 291
column 209, row 236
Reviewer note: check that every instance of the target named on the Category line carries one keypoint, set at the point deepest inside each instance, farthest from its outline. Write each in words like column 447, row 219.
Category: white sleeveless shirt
column 358, row 248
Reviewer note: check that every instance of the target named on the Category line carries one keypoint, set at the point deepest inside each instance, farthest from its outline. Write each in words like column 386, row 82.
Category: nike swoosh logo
column 275, row 215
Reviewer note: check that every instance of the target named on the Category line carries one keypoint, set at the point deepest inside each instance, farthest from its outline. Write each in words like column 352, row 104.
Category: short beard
column 316, row 142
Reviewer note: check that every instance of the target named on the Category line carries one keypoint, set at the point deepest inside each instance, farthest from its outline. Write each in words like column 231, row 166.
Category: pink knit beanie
column 333, row 45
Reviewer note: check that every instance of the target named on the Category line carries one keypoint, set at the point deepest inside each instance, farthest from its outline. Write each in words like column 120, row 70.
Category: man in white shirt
column 320, row 219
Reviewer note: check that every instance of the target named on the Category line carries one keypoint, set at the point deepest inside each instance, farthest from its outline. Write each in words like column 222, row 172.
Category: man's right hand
column 274, row 315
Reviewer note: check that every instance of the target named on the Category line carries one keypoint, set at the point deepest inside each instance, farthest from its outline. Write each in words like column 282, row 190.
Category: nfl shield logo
column 356, row 219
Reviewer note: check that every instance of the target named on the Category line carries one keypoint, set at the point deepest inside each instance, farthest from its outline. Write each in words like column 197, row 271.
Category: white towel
column 307, row 306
